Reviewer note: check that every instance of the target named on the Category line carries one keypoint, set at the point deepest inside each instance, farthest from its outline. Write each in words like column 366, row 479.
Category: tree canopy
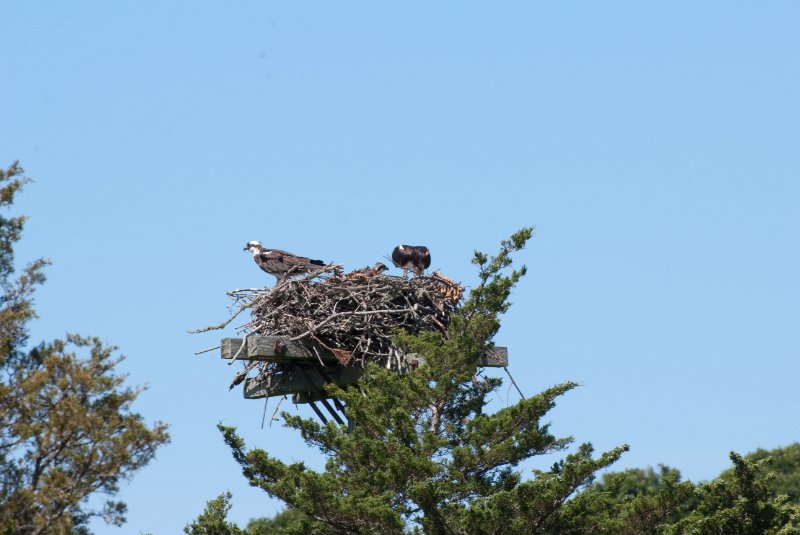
column 425, row 456
column 67, row 432
column 784, row 467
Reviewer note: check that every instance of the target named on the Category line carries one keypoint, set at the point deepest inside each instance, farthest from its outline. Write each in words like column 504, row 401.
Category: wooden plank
column 273, row 348
column 229, row 346
column 296, row 382
column 497, row 357
column 319, row 412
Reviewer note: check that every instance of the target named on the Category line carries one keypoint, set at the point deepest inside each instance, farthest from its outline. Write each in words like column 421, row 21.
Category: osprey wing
column 272, row 263
column 424, row 258
column 401, row 255
column 291, row 261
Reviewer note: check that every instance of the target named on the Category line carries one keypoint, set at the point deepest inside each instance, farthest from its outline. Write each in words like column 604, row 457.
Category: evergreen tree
column 742, row 501
column 740, row 504
column 213, row 521
column 632, row 502
column 648, row 502
column 784, row 465
column 283, row 522
column 66, row 429
column 424, row 456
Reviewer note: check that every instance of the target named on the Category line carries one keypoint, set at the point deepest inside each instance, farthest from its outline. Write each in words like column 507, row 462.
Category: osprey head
column 253, row 246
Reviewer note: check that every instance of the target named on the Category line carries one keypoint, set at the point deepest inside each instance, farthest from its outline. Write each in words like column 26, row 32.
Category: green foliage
column 423, row 455
column 784, row 465
column 638, row 502
column 16, row 307
column 741, row 504
column 283, row 523
column 657, row 502
column 213, row 521
column 66, row 428
column 425, row 458
column 635, row 482
column 632, row 502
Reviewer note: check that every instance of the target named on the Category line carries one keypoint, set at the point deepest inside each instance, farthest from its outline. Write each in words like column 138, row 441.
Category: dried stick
column 272, row 418
column 339, row 314
column 223, row 324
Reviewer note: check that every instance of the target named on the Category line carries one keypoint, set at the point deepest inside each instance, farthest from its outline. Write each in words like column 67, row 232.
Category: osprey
column 378, row 268
column 281, row 263
column 414, row 258
column 373, row 271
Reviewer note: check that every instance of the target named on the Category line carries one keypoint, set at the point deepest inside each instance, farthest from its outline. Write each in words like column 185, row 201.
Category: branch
column 339, row 314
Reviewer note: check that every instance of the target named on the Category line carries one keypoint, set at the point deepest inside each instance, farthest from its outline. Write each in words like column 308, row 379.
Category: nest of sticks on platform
column 353, row 315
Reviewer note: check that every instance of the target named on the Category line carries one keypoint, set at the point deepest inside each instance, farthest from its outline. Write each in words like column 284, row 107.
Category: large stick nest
column 355, row 314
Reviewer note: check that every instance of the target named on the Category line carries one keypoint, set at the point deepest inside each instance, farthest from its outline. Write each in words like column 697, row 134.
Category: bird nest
column 353, row 315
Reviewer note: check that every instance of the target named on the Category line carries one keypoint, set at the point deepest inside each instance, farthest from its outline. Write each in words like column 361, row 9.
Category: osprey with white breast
column 281, row 263
column 416, row 258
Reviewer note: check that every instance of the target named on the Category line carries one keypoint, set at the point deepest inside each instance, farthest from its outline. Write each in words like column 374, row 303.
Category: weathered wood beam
column 497, row 357
column 294, row 382
column 319, row 413
column 331, row 411
column 305, row 378
column 273, row 348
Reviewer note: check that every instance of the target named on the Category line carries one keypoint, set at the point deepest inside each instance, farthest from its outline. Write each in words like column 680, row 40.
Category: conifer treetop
column 424, row 455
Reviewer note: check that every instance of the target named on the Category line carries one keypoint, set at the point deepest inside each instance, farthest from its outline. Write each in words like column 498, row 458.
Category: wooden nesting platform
column 308, row 375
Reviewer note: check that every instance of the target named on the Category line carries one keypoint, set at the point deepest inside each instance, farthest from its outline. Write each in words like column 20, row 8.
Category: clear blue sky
column 653, row 145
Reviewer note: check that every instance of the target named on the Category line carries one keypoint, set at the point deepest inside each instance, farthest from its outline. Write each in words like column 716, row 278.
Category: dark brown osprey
column 414, row 258
column 281, row 263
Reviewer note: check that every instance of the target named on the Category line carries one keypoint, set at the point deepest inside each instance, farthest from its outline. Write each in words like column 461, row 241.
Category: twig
column 514, row 382
column 241, row 347
column 264, row 414
column 338, row 314
column 223, row 324
column 207, row 350
column 241, row 290
column 319, row 357
column 272, row 418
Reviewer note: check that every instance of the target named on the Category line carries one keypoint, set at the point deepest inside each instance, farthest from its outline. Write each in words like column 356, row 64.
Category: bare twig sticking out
column 272, row 418
column 225, row 323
